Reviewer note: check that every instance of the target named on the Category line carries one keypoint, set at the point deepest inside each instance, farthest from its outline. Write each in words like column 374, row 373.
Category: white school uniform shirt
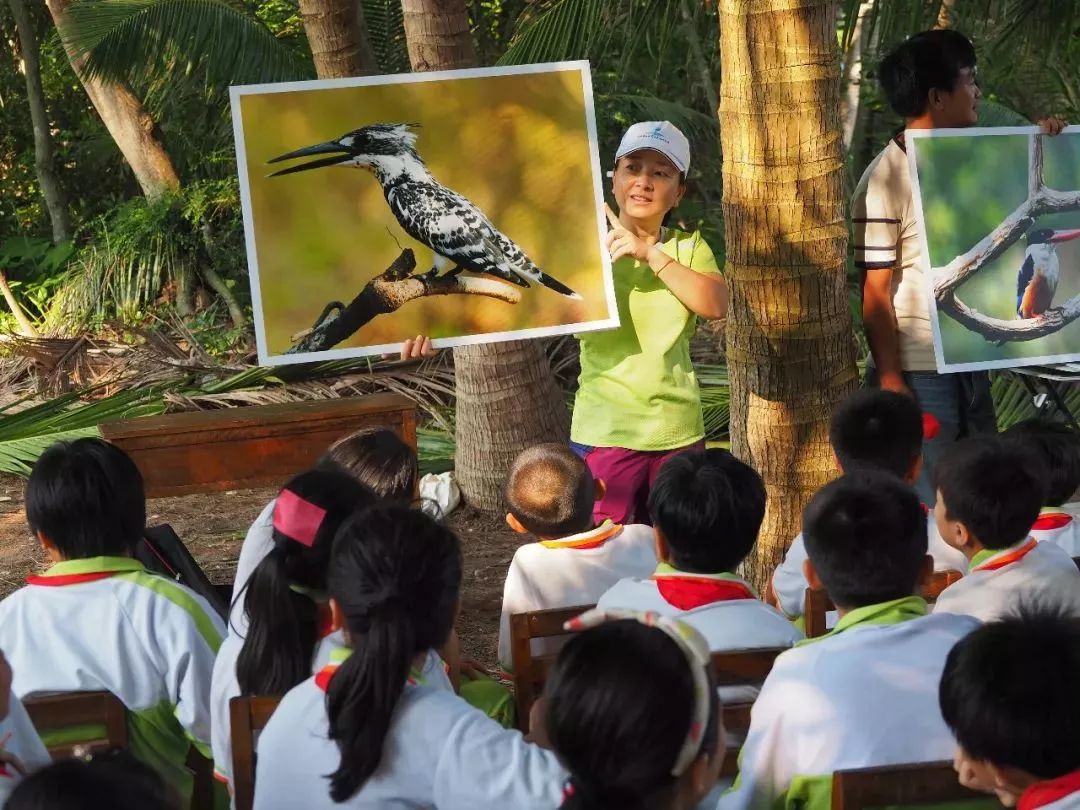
column 21, row 740
column 999, row 581
column 789, row 583
column 440, row 752
column 722, row 607
column 258, row 542
column 864, row 695
column 1057, row 526
column 574, row 570
column 105, row 623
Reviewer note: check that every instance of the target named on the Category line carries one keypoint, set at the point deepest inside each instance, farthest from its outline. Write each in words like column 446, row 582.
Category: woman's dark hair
column 395, row 574
column 378, row 459
column 282, row 615
column 110, row 780
column 613, row 730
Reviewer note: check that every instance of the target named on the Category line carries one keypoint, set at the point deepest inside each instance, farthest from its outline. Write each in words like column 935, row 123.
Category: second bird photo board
column 463, row 205
column 999, row 209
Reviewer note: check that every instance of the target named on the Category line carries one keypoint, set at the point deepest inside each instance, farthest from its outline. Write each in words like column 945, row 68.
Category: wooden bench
column 900, row 785
column 255, row 446
column 742, row 668
column 817, row 603
column 247, row 717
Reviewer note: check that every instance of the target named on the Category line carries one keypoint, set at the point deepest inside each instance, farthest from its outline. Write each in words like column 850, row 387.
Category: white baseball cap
column 660, row 136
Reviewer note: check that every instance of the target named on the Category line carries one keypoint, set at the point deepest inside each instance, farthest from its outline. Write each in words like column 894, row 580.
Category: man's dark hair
column 865, row 534
column 1058, row 448
column 923, row 62
column 877, row 428
column 1008, row 692
column 993, row 486
column 708, row 505
column 86, row 496
column 551, row 491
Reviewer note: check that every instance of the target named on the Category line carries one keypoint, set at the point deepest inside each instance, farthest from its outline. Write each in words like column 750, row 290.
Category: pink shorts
column 628, row 476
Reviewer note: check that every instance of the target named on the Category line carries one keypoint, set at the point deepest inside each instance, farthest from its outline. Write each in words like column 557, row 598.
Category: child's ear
column 337, row 615
column 661, row 546
column 926, row 571
column 836, row 463
column 52, row 553
column 812, row 578
column 515, row 524
column 600, row 489
column 915, row 471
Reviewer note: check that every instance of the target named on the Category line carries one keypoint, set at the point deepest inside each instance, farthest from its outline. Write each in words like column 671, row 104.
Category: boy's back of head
column 992, row 486
column 551, row 491
column 708, row 506
column 1057, row 447
column 923, row 62
column 865, row 535
column 86, row 497
column 1009, row 692
column 877, row 428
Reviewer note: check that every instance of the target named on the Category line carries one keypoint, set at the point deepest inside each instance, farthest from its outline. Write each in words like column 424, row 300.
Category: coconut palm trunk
column 507, row 397
column 337, row 37
column 789, row 336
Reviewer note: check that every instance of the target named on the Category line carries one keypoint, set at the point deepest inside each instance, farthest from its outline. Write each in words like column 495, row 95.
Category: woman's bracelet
column 663, row 267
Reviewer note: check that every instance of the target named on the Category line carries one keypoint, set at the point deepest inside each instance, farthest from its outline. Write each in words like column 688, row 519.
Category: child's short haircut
column 708, row 505
column 923, row 62
column 551, row 491
column 865, row 534
column 378, row 459
column 1058, row 448
column 86, row 496
column 877, row 428
column 1009, row 692
column 993, row 487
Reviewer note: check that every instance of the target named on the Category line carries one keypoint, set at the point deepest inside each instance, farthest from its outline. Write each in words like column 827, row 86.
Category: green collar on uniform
column 892, row 612
column 982, row 556
column 93, row 565
column 339, row 655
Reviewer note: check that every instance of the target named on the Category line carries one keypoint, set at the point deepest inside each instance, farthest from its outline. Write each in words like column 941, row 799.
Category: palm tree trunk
column 44, row 162
column 507, row 397
column 789, row 335
column 130, row 125
column 337, row 38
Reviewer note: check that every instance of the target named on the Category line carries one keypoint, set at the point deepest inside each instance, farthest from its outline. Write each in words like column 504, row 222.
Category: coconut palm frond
column 562, row 29
column 386, row 33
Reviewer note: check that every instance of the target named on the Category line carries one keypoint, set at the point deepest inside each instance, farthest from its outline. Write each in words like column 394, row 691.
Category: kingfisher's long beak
column 1065, row 236
column 339, row 152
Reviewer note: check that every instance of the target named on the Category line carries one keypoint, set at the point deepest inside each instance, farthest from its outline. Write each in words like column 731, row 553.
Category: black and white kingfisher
column 459, row 233
column 1038, row 277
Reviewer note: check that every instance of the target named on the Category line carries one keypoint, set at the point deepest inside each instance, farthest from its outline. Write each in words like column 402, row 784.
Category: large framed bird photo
column 462, row 205
column 999, row 217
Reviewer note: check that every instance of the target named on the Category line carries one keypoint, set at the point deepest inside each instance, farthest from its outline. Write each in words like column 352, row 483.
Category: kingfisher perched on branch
column 459, row 233
column 1038, row 277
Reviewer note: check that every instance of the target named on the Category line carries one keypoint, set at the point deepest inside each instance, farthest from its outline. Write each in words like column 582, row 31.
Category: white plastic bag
column 439, row 493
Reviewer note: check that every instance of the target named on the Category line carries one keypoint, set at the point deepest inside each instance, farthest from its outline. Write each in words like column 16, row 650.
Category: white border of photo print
column 268, row 359
column 912, row 137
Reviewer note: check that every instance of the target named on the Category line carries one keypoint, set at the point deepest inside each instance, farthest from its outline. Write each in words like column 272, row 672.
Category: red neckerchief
column 687, row 592
column 1052, row 520
column 70, row 579
column 325, row 675
column 1043, row 793
column 1008, row 559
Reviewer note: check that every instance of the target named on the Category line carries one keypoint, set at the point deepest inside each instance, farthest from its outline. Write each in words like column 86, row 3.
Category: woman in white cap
column 637, row 401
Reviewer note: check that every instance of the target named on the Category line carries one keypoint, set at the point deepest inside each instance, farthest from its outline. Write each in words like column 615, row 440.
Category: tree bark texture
column 507, row 397
column 790, row 348
column 337, row 38
column 44, row 159
column 437, row 33
column 131, row 126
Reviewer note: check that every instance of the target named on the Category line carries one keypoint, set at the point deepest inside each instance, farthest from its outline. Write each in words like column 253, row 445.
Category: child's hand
column 10, row 762
column 620, row 242
column 473, row 670
column 1052, row 125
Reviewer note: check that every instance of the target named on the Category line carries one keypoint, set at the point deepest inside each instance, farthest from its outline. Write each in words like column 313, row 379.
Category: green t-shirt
column 637, row 388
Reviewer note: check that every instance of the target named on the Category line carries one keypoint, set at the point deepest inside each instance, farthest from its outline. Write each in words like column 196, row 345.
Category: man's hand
column 417, row 348
column 620, row 242
column 894, row 382
column 1052, row 125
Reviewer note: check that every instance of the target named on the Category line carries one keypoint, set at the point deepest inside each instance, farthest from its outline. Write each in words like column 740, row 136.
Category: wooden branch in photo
column 388, row 292
column 1040, row 201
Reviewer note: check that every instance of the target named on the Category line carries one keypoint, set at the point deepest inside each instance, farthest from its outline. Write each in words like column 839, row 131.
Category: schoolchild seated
column 1057, row 448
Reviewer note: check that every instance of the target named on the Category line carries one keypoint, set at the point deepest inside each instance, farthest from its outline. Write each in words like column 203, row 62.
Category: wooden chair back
column 817, row 603
column 741, row 668
column 530, row 672
column 101, row 714
column 247, row 717
column 899, row 785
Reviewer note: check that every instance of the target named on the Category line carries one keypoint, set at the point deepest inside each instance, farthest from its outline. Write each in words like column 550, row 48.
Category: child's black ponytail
column 395, row 575
column 281, row 596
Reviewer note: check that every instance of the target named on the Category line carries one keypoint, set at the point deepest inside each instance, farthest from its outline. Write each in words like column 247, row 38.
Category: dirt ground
column 213, row 527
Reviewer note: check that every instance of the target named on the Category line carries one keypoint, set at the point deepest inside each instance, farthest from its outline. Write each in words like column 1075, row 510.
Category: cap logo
column 658, row 133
